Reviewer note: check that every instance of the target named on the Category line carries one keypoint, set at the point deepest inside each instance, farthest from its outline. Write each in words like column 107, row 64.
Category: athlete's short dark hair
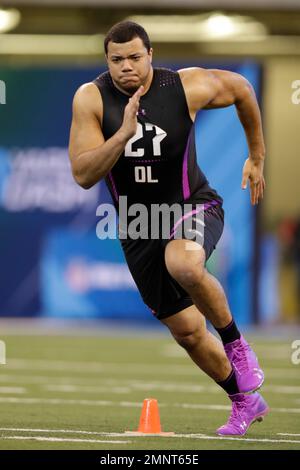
column 126, row 31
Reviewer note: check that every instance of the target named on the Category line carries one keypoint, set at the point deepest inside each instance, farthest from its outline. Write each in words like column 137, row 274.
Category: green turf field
column 72, row 392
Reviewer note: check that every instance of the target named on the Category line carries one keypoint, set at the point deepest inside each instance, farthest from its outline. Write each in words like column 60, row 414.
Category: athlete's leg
column 186, row 266
column 188, row 327
column 189, row 330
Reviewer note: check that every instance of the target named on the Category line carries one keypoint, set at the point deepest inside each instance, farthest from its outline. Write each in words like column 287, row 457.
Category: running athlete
column 134, row 126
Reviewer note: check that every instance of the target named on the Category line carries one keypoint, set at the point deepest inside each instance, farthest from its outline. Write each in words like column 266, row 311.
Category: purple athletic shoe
column 246, row 409
column 249, row 375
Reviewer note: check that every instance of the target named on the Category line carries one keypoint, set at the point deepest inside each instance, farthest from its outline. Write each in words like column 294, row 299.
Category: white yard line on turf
column 85, row 389
column 90, row 383
column 187, row 436
column 85, row 367
column 126, row 404
column 246, row 439
column 287, row 434
column 63, row 431
column 104, row 381
column 163, row 387
column 13, row 390
column 75, row 384
column 276, row 352
column 96, row 367
column 57, row 439
column 133, row 387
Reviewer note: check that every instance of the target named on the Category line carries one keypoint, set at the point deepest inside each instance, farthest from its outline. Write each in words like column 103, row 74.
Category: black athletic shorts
column 146, row 262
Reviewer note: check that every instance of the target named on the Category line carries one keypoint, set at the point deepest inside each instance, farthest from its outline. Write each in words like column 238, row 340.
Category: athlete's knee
column 188, row 339
column 188, row 327
column 185, row 266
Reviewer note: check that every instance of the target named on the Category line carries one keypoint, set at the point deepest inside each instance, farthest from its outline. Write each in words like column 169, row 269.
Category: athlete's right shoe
column 246, row 409
column 249, row 375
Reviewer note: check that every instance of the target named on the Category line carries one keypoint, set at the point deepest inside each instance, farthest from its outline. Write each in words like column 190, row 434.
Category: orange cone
column 149, row 420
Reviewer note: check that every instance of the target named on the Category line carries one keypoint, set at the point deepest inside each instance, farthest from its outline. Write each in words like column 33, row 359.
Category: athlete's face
column 129, row 64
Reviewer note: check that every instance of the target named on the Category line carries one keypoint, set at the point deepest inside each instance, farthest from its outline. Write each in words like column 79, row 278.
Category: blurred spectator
column 286, row 232
column 289, row 235
column 296, row 256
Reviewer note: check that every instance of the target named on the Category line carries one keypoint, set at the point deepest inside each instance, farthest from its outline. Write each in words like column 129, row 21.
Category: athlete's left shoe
column 249, row 375
column 246, row 409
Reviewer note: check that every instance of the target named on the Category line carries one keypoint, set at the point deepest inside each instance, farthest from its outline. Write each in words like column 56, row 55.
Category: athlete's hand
column 129, row 124
column 253, row 171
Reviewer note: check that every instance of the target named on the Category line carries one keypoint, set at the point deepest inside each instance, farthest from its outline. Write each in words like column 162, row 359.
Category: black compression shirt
column 159, row 164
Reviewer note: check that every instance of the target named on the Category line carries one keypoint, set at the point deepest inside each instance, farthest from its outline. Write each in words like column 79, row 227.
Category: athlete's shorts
column 146, row 261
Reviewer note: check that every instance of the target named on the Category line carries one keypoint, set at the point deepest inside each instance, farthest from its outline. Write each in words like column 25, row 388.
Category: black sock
column 230, row 385
column 230, row 333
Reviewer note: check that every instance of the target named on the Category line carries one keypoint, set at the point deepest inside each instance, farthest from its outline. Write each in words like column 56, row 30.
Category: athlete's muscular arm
column 91, row 156
column 210, row 89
